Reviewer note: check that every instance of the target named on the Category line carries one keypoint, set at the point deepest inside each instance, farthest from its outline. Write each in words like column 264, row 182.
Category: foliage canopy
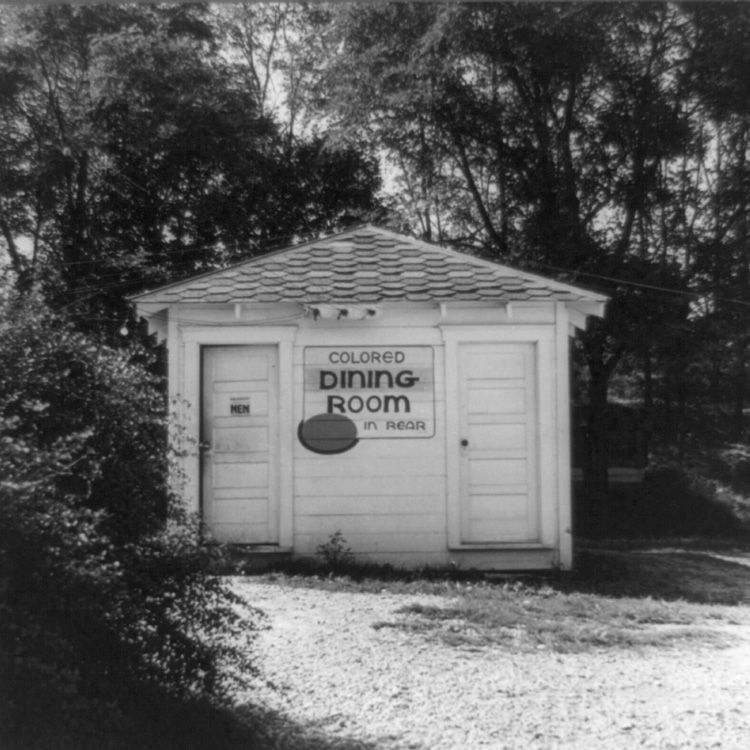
column 106, row 599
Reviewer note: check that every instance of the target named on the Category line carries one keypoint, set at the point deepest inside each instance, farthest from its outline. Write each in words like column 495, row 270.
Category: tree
column 109, row 611
column 554, row 129
column 135, row 153
column 721, row 252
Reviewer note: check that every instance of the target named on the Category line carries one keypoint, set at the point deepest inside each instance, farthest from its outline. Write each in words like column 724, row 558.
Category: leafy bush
column 107, row 604
column 731, row 464
column 670, row 502
column 336, row 553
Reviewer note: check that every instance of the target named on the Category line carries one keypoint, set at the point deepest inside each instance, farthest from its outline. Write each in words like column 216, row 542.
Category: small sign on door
column 239, row 406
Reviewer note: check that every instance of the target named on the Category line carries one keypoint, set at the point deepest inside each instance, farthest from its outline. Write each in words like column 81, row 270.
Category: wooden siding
column 393, row 500
column 387, row 497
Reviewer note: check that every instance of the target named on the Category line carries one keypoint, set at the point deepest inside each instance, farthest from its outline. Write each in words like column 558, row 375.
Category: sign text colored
column 387, row 391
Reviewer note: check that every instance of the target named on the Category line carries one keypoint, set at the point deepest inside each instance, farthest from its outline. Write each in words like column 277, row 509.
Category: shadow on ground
column 280, row 733
column 693, row 575
column 164, row 724
column 696, row 570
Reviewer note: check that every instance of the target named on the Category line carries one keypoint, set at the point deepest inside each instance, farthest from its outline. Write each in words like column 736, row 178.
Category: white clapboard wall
column 422, row 497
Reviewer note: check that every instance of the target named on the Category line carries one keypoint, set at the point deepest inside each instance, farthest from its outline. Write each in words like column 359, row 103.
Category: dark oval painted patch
column 328, row 433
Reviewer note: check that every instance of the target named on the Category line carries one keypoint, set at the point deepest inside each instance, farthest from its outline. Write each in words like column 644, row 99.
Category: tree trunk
column 740, row 394
column 596, row 454
column 18, row 263
column 601, row 364
column 648, row 398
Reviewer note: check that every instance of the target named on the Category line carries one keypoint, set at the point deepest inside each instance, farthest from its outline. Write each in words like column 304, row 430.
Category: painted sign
column 383, row 392
column 239, row 406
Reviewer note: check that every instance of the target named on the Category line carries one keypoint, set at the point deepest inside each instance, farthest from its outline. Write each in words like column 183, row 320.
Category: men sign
column 387, row 392
column 239, row 406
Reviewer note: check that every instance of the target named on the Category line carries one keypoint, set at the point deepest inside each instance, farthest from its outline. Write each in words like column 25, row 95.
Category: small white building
column 414, row 398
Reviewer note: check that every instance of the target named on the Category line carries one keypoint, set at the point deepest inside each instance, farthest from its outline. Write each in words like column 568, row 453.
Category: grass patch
column 629, row 570
column 371, row 578
column 525, row 618
column 690, row 575
column 615, row 598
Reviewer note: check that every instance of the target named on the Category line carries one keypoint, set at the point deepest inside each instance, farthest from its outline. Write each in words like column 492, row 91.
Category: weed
column 335, row 553
column 530, row 619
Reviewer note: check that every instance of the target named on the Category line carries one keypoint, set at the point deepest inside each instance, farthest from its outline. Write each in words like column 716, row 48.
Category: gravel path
column 336, row 676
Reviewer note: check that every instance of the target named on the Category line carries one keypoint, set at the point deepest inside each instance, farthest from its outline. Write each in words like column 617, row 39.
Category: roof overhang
column 579, row 312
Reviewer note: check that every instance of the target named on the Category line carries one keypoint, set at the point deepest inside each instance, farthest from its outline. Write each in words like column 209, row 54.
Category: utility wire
column 187, row 264
column 642, row 285
column 269, row 245
column 96, row 287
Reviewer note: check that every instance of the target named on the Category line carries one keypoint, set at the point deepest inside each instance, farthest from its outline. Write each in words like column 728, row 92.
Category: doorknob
column 464, row 443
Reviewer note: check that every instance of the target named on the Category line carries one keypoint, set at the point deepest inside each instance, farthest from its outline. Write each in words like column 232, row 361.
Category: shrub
column 336, row 553
column 106, row 597
column 669, row 503
column 731, row 464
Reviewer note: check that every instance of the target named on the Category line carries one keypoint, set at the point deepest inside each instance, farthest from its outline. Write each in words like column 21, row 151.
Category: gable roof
column 365, row 265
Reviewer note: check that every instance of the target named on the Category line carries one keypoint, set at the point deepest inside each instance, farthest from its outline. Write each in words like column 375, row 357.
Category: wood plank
column 511, row 559
column 241, row 493
column 486, row 401
column 242, row 533
column 562, row 398
column 483, row 362
column 242, row 510
column 509, row 530
column 240, row 475
column 501, row 507
column 242, row 366
column 495, row 471
column 381, row 527
column 351, row 464
column 431, row 558
column 370, row 505
column 355, row 486
column 241, row 440
column 367, row 544
column 418, row 449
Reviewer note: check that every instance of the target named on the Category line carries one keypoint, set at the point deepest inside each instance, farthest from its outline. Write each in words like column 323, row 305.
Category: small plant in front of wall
column 335, row 553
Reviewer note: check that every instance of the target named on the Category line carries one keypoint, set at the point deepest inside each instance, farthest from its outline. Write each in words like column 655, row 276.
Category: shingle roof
column 365, row 265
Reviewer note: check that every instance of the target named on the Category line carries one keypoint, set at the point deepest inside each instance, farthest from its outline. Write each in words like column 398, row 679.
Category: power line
column 643, row 285
column 269, row 245
column 96, row 287
column 186, row 264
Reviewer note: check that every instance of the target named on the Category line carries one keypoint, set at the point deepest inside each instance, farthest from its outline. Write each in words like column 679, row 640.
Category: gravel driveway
column 338, row 682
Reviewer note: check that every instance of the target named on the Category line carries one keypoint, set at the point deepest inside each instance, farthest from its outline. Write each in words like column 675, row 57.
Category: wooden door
column 240, row 443
column 498, row 443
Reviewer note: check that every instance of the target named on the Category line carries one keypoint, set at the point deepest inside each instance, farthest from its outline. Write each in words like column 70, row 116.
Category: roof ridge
column 471, row 264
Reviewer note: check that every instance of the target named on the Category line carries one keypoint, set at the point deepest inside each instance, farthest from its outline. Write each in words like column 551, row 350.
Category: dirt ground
column 335, row 679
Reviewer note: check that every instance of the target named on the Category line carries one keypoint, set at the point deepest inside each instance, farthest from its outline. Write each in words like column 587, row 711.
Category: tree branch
column 495, row 237
column 16, row 259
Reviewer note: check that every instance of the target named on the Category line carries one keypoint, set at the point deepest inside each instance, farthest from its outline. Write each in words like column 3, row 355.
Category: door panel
column 240, row 443
column 498, row 465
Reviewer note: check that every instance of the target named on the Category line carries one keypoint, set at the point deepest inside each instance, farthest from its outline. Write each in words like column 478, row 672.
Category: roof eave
column 580, row 311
